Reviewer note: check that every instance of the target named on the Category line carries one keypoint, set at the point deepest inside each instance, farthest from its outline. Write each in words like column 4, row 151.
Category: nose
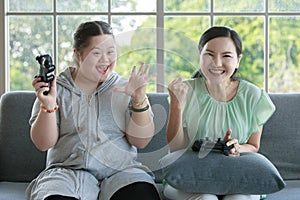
column 103, row 57
column 217, row 61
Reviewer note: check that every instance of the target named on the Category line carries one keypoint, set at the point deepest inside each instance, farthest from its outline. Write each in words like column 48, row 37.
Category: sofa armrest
column 280, row 141
column 19, row 159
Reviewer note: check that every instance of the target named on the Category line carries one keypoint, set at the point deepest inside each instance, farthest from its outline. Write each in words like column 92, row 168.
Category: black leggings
column 59, row 197
column 136, row 191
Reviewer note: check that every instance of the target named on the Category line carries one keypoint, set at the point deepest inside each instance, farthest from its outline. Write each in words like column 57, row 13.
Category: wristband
column 43, row 108
column 140, row 109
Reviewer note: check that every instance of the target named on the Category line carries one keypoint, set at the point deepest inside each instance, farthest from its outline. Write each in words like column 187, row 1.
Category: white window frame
column 160, row 14
column 3, row 77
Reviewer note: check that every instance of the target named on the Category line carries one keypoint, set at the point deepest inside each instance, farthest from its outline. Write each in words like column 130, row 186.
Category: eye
column 111, row 51
column 97, row 53
column 227, row 56
column 208, row 54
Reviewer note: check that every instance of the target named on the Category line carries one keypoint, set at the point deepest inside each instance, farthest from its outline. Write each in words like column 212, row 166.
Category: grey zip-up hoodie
column 92, row 130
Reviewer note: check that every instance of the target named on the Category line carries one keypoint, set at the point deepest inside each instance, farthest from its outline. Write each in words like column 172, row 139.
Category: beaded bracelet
column 140, row 109
column 139, row 103
column 43, row 108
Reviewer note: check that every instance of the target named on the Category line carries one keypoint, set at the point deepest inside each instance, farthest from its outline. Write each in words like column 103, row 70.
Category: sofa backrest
column 158, row 147
column 19, row 159
column 280, row 141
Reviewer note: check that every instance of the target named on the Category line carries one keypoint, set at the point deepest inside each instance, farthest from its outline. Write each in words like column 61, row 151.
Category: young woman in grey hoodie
column 91, row 124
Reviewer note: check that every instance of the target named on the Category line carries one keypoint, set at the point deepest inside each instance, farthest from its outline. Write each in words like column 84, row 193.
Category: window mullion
column 266, row 47
column 160, row 46
column 3, row 57
column 55, row 34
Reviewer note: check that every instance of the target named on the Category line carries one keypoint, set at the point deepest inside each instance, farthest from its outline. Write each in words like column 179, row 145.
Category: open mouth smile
column 102, row 69
column 217, row 71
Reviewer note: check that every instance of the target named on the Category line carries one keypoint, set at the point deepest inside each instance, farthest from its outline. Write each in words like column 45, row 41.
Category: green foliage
column 33, row 35
column 284, row 55
column 25, row 43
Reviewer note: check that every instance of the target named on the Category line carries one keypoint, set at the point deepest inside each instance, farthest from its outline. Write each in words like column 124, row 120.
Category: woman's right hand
column 49, row 101
column 235, row 151
column 44, row 131
column 178, row 90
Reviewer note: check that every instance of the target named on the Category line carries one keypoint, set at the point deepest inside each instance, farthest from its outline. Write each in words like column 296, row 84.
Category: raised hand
column 178, row 90
column 136, row 86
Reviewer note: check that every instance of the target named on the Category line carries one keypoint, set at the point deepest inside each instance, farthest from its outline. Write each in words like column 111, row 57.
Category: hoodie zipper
column 90, row 99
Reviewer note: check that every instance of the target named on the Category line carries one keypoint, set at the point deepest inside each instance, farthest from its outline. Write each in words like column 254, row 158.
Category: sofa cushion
column 290, row 192
column 280, row 141
column 250, row 173
column 20, row 160
column 13, row 190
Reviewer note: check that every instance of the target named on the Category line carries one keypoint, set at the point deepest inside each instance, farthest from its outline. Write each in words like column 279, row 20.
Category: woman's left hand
column 136, row 86
column 235, row 151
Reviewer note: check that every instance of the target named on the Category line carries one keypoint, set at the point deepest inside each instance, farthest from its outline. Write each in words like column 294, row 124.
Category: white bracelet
column 136, row 104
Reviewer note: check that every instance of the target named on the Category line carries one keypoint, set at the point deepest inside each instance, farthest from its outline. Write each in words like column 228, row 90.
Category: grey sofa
column 20, row 161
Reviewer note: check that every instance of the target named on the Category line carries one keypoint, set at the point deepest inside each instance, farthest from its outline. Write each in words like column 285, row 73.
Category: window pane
column 67, row 25
column 29, row 5
column 82, row 6
column 133, row 6
column 181, row 46
column 239, row 6
column 189, row 5
column 252, row 64
column 284, row 5
column 28, row 37
column 136, row 44
column 284, row 55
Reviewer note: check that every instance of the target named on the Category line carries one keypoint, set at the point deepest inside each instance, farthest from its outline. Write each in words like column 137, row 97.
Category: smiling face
column 218, row 59
column 97, row 60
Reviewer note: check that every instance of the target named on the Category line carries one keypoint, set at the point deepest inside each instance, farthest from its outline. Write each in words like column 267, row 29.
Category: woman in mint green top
column 250, row 108
column 215, row 104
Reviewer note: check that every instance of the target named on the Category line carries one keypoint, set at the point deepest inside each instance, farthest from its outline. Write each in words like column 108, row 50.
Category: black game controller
column 219, row 145
column 46, row 69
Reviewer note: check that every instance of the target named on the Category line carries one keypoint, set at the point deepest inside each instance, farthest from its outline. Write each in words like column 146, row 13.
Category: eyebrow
column 226, row 52
column 110, row 47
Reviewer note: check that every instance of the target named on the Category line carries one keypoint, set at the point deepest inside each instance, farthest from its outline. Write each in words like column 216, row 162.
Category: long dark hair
column 219, row 31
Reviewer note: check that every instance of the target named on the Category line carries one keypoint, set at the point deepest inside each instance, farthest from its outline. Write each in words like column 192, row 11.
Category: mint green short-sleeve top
column 204, row 117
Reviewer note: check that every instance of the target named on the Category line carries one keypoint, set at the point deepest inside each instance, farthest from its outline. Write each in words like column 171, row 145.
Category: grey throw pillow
column 250, row 173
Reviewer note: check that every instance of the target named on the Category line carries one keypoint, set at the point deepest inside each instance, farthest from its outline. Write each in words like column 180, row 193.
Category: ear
column 76, row 55
column 239, row 60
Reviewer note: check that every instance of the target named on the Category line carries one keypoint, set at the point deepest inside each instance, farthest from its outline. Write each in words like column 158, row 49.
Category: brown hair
column 87, row 30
